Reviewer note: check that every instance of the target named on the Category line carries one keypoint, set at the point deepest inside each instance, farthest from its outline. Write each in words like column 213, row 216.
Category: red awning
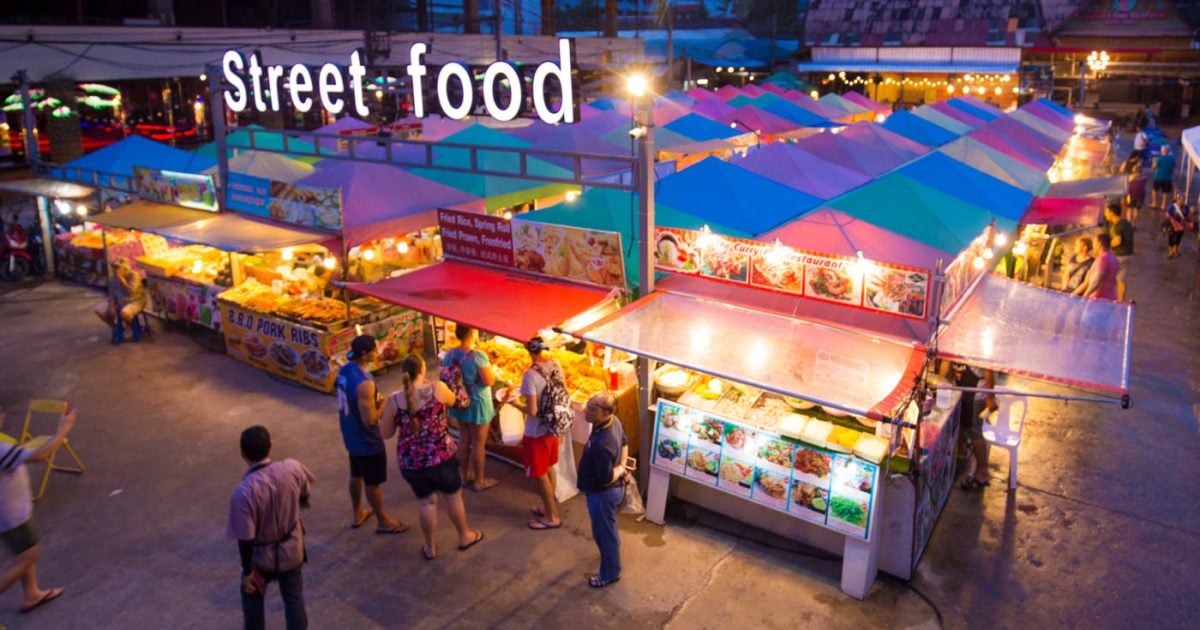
column 1060, row 211
column 509, row 304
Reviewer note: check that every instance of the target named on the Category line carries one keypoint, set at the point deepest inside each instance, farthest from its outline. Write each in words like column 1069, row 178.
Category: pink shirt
column 265, row 508
column 1103, row 275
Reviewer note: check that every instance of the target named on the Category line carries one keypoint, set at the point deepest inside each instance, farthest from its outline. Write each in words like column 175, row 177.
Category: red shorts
column 539, row 454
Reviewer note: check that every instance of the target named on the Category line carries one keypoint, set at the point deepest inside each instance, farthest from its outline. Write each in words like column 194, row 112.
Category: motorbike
column 16, row 262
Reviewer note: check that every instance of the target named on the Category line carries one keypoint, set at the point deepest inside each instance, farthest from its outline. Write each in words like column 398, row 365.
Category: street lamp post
column 639, row 91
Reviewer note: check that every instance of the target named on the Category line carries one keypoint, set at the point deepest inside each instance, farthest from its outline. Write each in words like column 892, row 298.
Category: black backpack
column 554, row 403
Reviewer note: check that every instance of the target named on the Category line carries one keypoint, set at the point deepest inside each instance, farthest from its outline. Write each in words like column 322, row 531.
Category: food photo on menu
column 895, row 290
column 782, row 271
column 703, row 462
column 736, row 476
column 832, row 283
column 812, row 501
column 676, row 250
column 725, row 260
column 770, row 488
column 739, row 441
column 850, row 497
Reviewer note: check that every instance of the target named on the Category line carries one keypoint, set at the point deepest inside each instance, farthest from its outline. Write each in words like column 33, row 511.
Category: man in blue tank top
column 359, row 410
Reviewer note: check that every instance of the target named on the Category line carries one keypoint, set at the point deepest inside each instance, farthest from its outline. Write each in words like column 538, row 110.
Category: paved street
column 1103, row 531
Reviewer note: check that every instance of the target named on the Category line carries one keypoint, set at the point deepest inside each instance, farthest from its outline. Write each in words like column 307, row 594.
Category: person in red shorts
column 539, row 448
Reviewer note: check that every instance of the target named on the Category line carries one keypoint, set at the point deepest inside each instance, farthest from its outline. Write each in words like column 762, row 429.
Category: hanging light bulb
column 508, row 215
column 572, row 195
column 988, row 254
column 81, row 210
column 368, row 254
column 287, row 255
column 1000, row 239
column 402, row 247
column 977, row 263
column 330, row 263
column 197, row 266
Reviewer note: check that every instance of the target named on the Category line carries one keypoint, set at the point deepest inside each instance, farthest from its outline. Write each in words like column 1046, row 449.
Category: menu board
column 830, row 489
column 298, row 204
column 850, row 281
column 189, row 190
column 581, row 255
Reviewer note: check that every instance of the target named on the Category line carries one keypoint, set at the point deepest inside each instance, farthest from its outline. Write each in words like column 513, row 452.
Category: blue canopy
column 717, row 192
column 918, row 129
column 796, row 114
column 119, row 158
column 964, row 106
column 700, row 128
column 968, row 184
column 239, row 140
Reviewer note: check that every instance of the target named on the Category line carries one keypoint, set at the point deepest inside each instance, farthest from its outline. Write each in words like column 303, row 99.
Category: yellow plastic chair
column 31, row 441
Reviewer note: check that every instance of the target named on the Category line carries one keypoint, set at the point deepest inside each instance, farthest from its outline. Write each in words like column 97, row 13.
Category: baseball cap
column 361, row 345
column 536, row 345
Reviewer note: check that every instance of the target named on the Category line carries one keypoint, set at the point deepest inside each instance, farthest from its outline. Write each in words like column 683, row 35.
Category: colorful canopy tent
column 922, row 213
column 864, row 101
column 370, row 206
column 968, row 184
column 773, row 89
column 598, row 126
column 972, row 110
column 798, row 115
column 744, row 344
column 234, row 232
column 750, row 118
column 830, row 231
column 1032, row 156
column 850, row 153
column 722, row 193
column 663, row 138
column 874, row 133
column 753, row 90
column 957, row 114
column 1064, row 211
column 984, row 158
column 345, row 124
column 699, row 127
column 713, row 108
column 853, row 110
column 120, row 157
column 1018, row 133
column 239, row 141
column 787, row 81
column 572, row 139
column 1051, row 112
column 941, row 120
column 271, row 166
column 666, row 110
column 679, row 97
column 499, row 191
column 979, row 104
column 1041, row 125
column 1074, row 341
column 918, row 129
column 701, row 95
column 788, row 165
column 1112, row 185
column 726, row 92
column 39, row 187
column 505, row 303
column 148, row 216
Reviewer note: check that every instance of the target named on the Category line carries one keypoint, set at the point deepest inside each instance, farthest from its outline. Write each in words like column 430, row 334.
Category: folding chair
column 1005, row 429
column 29, row 440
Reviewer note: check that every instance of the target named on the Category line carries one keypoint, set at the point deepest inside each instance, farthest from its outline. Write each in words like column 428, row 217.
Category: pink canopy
column 849, row 153
column 1030, row 156
column 1064, row 211
column 958, row 114
column 752, row 90
column 772, row 88
column 666, row 110
column 727, row 92
column 790, row 166
column 701, row 94
column 380, row 201
column 757, row 120
column 830, row 231
column 873, row 133
column 823, row 110
column 714, row 108
column 1051, row 115
column 864, row 101
column 1018, row 133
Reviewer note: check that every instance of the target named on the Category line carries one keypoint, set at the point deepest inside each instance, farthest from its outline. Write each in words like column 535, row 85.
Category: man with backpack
column 548, row 414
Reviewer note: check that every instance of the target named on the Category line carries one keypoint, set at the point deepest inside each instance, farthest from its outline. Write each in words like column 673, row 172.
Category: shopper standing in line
column 473, row 422
column 539, row 448
column 602, row 480
column 17, row 528
column 1101, row 280
column 359, row 406
column 264, row 519
column 425, row 452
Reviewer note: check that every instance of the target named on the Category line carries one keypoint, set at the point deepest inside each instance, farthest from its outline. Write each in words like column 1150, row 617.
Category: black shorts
column 1164, row 185
column 443, row 478
column 372, row 469
column 21, row 538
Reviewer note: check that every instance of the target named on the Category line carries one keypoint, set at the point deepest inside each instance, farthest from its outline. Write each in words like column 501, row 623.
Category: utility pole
column 499, row 30
column 216, row 104
column 610, row 18
column 28, row 123
column 670, row 19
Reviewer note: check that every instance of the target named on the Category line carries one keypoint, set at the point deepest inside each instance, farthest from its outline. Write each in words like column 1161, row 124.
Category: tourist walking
column 359, row 407
column 264, row 519
column 1178, row 214
column 602, row 480
column 17, row 528
column 425, row 452
column 473, row 422
column 1164, row 178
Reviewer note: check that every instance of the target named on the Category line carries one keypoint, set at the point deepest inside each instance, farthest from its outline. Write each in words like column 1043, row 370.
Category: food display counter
column 80, row 258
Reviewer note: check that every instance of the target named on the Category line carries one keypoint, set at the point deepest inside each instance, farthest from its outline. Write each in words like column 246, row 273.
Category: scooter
column 15, row 259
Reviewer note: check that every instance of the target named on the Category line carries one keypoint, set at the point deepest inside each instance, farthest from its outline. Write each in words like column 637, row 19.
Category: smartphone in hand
column 630, row 463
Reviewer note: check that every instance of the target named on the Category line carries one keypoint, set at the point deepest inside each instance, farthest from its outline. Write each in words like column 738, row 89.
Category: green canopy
column 981, row 157
column 788, row 81
column 938, row 118
column 895, row 202
column 616, row 211
column 240, row 141
column 499, row 191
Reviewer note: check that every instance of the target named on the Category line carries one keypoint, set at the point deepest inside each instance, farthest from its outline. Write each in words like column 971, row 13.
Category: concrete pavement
column 1102, row 532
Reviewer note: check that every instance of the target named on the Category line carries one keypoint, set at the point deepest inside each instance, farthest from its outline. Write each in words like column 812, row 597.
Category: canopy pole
column 644, row 182
column 216, row 105
column 43, row 204
column 1124, row 400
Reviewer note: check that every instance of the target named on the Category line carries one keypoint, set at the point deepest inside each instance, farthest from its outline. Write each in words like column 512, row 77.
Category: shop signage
column 830, row 489
column 253, row 84
column 1128, row 18
column 587, row 256
column 856, row 282
column 298, row 204
column 181, row 300
column 189, row 190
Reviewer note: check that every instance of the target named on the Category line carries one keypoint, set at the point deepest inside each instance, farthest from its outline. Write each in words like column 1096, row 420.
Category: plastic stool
column 140, row 328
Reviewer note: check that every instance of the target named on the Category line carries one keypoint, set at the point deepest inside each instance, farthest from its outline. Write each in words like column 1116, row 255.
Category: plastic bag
column 631, row 501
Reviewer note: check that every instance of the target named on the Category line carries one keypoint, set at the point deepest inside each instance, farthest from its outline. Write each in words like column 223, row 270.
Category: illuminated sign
column 501, row 90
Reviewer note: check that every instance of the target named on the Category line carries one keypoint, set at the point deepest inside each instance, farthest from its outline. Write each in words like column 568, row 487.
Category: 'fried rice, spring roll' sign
column 849, row 280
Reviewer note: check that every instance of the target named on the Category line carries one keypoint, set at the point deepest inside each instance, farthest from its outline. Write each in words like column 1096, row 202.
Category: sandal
column 594, row 581
column 538, row 511
column 363, row 517
column 972, row 484
column 427, row 553
column 539, row 524
column 486, row 484
column 51, row 595
column 478, row 539
column 399, row 528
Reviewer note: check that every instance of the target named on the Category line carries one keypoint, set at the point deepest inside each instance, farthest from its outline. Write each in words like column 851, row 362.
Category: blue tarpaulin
column 718, row 192
column 119, row 158
column 968, row 184
column 700, row 128
column 918, row 129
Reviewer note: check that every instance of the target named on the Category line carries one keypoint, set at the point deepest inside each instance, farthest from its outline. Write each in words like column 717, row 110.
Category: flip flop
column 50, row 596
column 477, row 540
column 366, row 516
column 428, row 555
column 398, row 529
column 486, row 485
column 972, row 484
column 538, row 511
column 594, row 581
column 539, row 524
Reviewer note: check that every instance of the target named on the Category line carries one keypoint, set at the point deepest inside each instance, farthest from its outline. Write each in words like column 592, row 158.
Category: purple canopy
column 379, row 201
column 864, row 101
column 343, row 124
column 1030, row 156
column 757, row 120
column 714, row 108
column 872, row 133
column 803, row 171
column 572, row 138
column 850, row 153
column 958, row 114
